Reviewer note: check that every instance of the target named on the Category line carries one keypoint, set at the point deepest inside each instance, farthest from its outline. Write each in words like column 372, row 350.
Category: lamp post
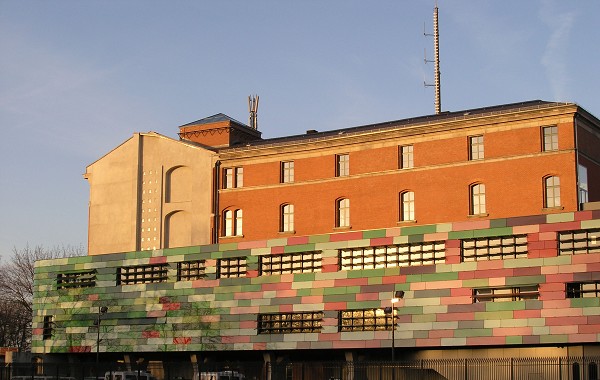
column 101, row 311
column 398, row 295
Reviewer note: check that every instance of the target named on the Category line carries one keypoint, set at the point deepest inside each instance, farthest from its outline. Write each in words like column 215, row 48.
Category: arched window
column 407, row 206
column 342, row 212
column 232, row 223
column 477, row 199
column 287, row 218
column 551, row 191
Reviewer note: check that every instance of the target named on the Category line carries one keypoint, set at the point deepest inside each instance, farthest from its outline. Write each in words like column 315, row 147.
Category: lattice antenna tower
column 253, row 109
column 436, row 60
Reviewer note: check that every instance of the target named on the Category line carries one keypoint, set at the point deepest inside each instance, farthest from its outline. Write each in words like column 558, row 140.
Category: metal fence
column 559, row 368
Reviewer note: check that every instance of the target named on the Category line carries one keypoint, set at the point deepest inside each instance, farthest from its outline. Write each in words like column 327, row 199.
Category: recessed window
column 287, row 171
column 231, row 267
column 297, row 262
column 289, row 323
column 582, row 179
column 48, row 327
column 494, row 248
column 550, row 138
column 406, row 157
column 551, row 192
column 476, row 148
column 343, row 212
column 506, row 294
column 401, row 255
column 190, row 270
column 142, row 274
column 407, row 206
column 579, row 242
column 365, row 320
column 81, row 279
column 589, row 289
column 287, row 218
column 233, row 220
column 477, row 199
column 233, row 177
column 342, row 165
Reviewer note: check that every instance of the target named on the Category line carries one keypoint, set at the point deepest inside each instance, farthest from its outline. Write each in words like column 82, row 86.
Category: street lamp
column 398, row 295
column 101, row 311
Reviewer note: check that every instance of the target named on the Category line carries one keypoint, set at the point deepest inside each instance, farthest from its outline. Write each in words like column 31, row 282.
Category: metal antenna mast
column 253, row 109
column 436, row 48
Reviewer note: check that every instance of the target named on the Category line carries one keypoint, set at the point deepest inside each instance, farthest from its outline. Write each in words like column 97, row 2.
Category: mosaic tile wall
column 221, row 314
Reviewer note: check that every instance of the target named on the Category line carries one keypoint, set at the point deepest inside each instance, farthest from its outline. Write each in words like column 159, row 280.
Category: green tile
column 353, row 305
column 502, row 231
column 585, row 302
column 457, row 235
column 417, row 238
column 491, row 315
column 505, row 306
column 465, row 333
column 497, row 223
column 374, row 234
column 526, row 280
column 318, row 239
column 426, row 277
column 419, row 230
column 304, row 277
column 560, row 218
column 299, row 248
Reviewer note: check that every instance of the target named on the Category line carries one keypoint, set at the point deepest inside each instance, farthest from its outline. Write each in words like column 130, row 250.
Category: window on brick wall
column 407, row 206
column 476, row 148
column 365, row 320
column 231, row 267
column 190, row 270
column 551, row 192
column 289, row 323
column 494, row 248
column 406, row 157
column 233, row 177
column 79, row 279
column 342, row 162
column 287, row 171
column 506, row 294
column 401, row 255
column 342, row 212
column 232, row 222
column 589, row 289
column 286, row 223
column 549, row 138
column 477, row 199
column 142, row 274
column 579, row 242
column 297, row 262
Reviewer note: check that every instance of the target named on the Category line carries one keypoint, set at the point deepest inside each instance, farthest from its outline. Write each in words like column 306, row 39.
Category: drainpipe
column 577, row 163
column 215, row 206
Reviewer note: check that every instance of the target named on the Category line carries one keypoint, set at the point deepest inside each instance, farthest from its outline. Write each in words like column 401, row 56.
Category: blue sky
column 79, row 77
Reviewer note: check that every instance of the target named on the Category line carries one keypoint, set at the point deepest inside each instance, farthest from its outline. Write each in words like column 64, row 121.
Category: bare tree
column 16, row 291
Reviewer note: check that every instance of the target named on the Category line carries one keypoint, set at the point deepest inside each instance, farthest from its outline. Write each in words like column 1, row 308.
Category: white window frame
column 477, row 197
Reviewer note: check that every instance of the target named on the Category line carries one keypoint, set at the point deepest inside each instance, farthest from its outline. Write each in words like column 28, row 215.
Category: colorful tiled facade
column 224, row 244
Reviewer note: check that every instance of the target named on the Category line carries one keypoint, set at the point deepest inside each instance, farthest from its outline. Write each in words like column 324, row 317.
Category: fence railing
column 555, row 368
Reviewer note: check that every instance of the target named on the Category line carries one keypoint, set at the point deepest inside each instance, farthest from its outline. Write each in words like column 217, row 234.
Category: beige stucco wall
column 151, row 192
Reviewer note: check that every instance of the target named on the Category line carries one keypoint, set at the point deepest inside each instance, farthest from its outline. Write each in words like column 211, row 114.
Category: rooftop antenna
column 436, row 61
column 253, row 109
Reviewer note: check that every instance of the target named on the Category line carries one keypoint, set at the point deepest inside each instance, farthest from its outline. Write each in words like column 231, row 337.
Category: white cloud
column 554, row 59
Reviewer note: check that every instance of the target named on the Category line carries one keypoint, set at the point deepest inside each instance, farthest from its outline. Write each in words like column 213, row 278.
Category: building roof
column 214, row 119
column 427, row 119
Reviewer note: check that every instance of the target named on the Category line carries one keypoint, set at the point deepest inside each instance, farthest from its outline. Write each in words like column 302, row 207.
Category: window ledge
column 231, row 237
column 478, row 215
column 344, row 228
column 402, row 222
column 553, row 209
column 287, row 232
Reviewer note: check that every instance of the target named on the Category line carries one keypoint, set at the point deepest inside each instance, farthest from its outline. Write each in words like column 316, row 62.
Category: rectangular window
column 231, row 267
column 583, row 289
column 506, row 294
column 406, row 157
column 48, row 327
column 550, row 138
column 494, row 248
column 402, row 255
column 232, row 223
column 365, row 320
column 342, row 213
column 190, row 270
column 342, row 165
column 233, row 177
column 289, row 323
column 579, row 242
column 582, row 178
column 142, row 274
column 287, row 171
column 298, row 262
column 476, row 148
column 80, row 279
